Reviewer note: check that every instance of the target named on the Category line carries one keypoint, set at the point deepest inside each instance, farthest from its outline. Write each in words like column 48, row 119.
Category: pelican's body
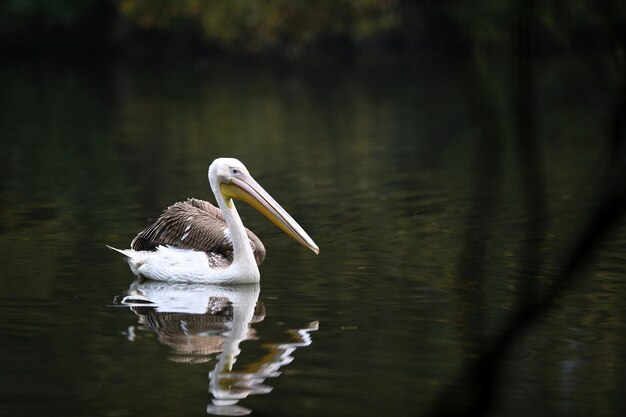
column 193, row 241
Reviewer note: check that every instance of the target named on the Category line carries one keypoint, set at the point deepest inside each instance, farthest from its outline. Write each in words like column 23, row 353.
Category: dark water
column 442, row 197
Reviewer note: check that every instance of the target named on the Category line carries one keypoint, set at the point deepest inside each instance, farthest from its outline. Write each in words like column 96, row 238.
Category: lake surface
column 442, row 197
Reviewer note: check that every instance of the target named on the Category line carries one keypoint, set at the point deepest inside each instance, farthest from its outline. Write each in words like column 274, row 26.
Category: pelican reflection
column 203, row 322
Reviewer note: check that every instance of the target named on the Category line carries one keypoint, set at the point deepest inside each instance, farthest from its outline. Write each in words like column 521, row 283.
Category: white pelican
column 194, row 241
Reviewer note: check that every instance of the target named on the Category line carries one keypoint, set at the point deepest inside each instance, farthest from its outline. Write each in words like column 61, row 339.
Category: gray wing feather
column 193, row 224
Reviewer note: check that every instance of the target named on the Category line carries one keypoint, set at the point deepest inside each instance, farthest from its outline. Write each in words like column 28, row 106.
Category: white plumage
column 234, row 259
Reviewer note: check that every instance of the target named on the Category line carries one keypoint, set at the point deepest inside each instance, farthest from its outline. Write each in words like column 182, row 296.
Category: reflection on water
column 201, row 322
column 441, row 210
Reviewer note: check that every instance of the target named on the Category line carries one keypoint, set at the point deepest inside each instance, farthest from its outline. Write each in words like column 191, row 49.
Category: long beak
column 246, row 189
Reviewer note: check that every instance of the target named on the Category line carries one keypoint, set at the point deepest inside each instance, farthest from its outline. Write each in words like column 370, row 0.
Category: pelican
column 195, row 242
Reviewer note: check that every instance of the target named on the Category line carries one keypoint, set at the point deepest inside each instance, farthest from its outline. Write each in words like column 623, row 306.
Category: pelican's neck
column 242, row 251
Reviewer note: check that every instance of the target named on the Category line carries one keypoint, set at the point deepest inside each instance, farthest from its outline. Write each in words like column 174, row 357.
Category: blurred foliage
column 292, row 27
column 59, row 26
column 54, row 13
column 279, row 24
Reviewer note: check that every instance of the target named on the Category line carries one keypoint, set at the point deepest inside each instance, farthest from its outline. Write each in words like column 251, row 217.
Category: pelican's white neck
column 244, row 267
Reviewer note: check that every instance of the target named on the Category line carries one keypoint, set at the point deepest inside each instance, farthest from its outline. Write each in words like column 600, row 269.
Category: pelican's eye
column 235, row 171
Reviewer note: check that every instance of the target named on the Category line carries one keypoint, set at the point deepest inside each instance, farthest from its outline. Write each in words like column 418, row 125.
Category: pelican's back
column 197, row 225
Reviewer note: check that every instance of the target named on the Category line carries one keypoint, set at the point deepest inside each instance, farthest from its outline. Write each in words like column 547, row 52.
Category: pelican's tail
column 134, row 258
column 126, row 253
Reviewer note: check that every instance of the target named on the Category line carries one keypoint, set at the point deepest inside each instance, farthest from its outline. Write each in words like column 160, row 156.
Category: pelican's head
column 230, row 178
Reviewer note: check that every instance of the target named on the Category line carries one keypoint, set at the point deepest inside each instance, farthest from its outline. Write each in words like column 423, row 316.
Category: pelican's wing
column 193, row 224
